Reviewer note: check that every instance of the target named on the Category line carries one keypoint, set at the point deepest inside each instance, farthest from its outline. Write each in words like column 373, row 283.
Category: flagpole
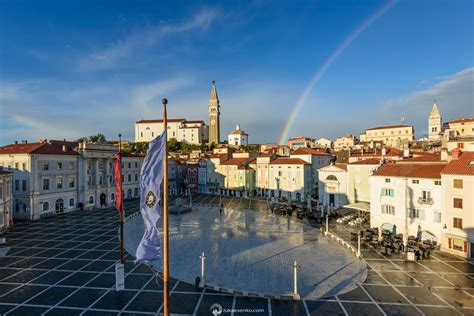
column 165, row 216
column 122, row 254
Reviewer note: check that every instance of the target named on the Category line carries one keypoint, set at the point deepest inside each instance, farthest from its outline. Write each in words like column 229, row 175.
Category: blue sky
column 77, row 68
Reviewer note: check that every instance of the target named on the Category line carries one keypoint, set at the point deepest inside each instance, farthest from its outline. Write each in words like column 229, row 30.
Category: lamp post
column 296, row 296
column 203, row 257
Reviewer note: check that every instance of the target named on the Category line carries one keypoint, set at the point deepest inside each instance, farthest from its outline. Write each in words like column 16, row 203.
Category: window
column 457, row 222
column 46, row 166
column 459, row 244
column 457, row 203
column 17, row 166
column 129, row 177
column 387, row 180
column 45, row 206
column 136, row 164
column 112, row 197
column 279, row 173
column 415, row 181
column 59, row 183
column 72, row 182
column 17, row 185
column 461, row 145
column 9, row 167
column 437, row 217
column 129, row 165
column 141, row 134
column 45, row 184
column 1, row 193
column 387, row 192
column 59, row 166
column 416, row 213
column 71, row 166
column 388, row 209
column 91, row 199
column 23, row 185
column 136, row 176
column 71, row 202
column 23, row 166
column 437, row 182
column 457, row 183
column 426, row 196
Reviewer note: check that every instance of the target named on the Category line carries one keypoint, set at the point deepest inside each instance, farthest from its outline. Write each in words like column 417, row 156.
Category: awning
column 361, row 206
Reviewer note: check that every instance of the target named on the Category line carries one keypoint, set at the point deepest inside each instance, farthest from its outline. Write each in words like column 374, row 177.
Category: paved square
column 35, row 268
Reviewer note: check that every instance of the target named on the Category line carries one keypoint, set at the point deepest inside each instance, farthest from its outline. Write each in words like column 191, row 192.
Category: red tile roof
column 423, row 157
column 288, row 161
column 235, row 161
column 310, row 151
column 369, row 161
column 464, row 165
column 244, row 167
column 341, row 166
column 410, row 170
column 52, row 147
column 387, row 126
column 462, row 120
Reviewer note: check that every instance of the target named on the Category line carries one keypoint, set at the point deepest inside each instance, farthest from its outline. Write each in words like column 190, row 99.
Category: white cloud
column 105, row 58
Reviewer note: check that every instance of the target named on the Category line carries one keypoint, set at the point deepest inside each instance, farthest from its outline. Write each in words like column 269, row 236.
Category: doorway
column 59, row 206
column 331, row 199
column 102, row 199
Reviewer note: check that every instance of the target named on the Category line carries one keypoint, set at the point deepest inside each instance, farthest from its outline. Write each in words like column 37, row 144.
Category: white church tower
column 434, row 124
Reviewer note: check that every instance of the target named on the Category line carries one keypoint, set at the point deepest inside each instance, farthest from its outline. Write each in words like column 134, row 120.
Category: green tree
column 97, row 138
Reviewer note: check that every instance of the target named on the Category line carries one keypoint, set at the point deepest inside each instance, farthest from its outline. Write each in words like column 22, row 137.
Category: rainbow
column 328, row 62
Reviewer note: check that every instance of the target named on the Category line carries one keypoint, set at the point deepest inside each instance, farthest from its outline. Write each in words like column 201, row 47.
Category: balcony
column 428, row 201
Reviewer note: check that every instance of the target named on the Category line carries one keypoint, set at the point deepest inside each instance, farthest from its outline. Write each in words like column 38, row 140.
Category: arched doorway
column 102, row 199
column 129, row 193
column 59, row 205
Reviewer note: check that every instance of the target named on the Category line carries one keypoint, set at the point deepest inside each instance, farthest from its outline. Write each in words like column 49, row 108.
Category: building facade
column 346, row 141
column 6, row 199
column 52, row 177
column 214, row 116
column 333, row 185
column 192, row 132
column 406, row 197
column 390, row 135
column 238, row 137
column 458, row 184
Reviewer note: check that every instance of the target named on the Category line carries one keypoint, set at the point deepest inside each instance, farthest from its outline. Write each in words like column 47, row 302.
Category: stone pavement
column 254, row 251
column 64, row 266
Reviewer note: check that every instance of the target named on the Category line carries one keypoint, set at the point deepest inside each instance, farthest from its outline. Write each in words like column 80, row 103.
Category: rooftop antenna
column 402, row 119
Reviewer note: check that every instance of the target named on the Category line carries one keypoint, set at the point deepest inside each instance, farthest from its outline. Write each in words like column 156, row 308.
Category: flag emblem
column 150, row 199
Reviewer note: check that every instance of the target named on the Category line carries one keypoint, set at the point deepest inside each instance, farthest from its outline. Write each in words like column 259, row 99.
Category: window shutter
column 422, row 214
column 392, row 193
column 449, row 243
column 381, row 191
column 465, row 246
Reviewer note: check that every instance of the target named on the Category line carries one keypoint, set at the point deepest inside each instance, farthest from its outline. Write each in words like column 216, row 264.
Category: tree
column 97, row 138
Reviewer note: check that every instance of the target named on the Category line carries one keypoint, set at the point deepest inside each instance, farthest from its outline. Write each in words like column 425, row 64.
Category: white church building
column 238, row 137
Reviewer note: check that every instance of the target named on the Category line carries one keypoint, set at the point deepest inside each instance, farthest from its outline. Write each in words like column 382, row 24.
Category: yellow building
column 390, row 135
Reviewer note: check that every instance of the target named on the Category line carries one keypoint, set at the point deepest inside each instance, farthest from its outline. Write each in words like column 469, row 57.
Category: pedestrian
column 394, row 229
column 418, row 234
column 220, row 209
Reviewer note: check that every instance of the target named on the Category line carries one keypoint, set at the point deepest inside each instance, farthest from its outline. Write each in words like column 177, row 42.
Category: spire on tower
column 434, row 110
column 214, row 91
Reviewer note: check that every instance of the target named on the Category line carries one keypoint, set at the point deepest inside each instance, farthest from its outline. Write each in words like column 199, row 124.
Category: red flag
column 118, row 181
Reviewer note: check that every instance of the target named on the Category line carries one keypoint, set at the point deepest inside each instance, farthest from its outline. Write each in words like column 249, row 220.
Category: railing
column 428, row 201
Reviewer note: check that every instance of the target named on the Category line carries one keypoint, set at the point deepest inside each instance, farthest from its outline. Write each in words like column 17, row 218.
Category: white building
column 6, row 199
column 324, row 142
column 58, row 176
column 192, row 132
column 317, row 159
column 289, row 178
column 458, row 189
column 238, row 137
column 459, row 133
column 333, row 185
column 407, row 196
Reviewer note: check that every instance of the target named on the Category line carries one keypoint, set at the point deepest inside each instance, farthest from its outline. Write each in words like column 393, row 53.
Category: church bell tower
column 214, row 114
column 434, row 124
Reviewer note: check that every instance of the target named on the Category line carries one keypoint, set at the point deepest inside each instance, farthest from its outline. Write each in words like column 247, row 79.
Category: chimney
column 15, row 142
column 64, row 148
column 456, row 153
column 384, row 151
column 406, row 151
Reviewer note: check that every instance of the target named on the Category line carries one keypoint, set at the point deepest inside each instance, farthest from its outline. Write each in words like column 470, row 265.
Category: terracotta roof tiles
column 288, row 161
column 410, row 170
column 309, row 151
column 464, row 165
